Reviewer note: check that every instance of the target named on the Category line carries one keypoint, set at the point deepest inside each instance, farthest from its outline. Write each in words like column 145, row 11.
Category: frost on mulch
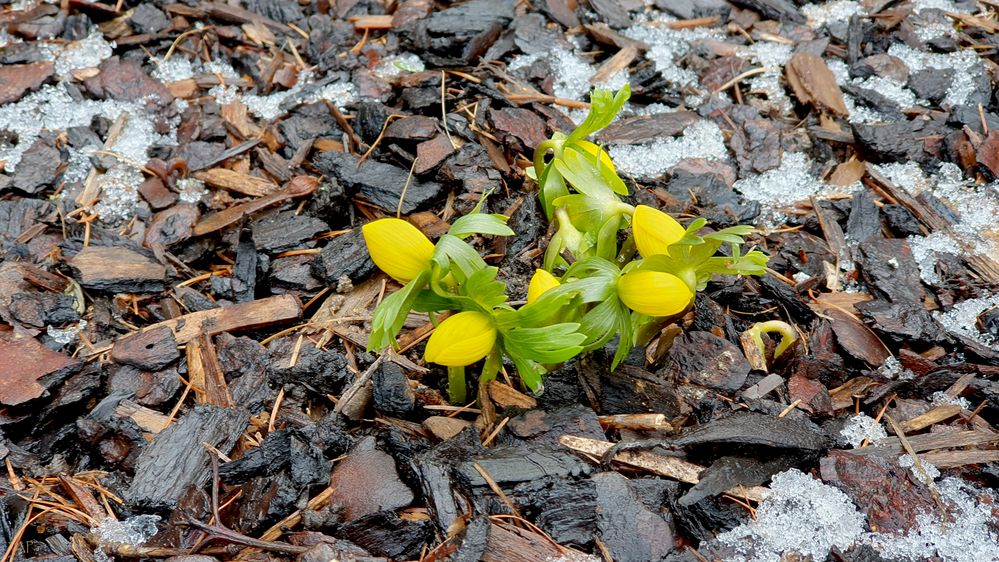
column 185, row 295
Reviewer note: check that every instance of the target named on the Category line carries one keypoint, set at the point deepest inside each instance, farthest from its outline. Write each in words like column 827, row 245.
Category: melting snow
column 860, row 428
column 800, row 514
column 961, row 318
column 701, row 139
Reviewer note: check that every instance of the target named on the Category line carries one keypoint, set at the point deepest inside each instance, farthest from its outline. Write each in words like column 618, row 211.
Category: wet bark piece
column 417, row 127
column 411, row 10
column 117, row 269
column 630, row 530
column 881, row 489
column 387, row 534
column 379, row 183
column 346, row 255
column 646, row 128
column 18, row 79
column 433, row 471
column 37, row 169
column 150, row 350
column 461, row 34
column 774, row 9
column 522, row 124
column 612, row 12
column 431, row 153
column 705, row 359
column 286, row 230
column 814, row 84
column 367, row 482
column 29, row 368
column 509, row 466
column 126, row 81
column 729, row 473
column 177, row 457
column 988, row 153
column 755, row 429
column 235, row 181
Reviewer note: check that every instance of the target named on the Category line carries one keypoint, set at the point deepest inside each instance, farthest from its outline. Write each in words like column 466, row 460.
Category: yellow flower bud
column 461, row 340
column 654, row 293
column 654, row 230
column 398, row 248
column 540, row 283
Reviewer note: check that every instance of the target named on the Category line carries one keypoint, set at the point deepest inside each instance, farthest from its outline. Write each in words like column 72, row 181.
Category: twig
column 357, row 385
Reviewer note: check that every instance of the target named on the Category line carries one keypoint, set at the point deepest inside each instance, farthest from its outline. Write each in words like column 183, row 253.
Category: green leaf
column 551, row 344
column 602, row 322
column 391, row 314
column 551, row 186
column 530, row 371
column 451, row 250
column 480, row 223
column 604, row 106
column 577, row 169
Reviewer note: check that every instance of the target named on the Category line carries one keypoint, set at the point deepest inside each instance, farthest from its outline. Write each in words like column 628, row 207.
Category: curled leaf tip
column 398, row 248
column 461, row 340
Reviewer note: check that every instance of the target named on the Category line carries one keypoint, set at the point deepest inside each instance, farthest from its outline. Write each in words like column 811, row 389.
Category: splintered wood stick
column 253, row 314
column 669, row 467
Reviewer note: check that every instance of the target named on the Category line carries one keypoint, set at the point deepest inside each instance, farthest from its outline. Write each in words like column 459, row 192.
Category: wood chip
column 936, row 415
column 235, row 181
column 814, row 84
column 669, row 467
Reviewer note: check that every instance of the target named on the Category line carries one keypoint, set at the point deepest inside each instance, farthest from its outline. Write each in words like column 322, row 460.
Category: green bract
column 600, row 290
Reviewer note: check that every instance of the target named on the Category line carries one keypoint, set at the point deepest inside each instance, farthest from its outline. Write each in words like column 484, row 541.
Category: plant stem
column 456, row 384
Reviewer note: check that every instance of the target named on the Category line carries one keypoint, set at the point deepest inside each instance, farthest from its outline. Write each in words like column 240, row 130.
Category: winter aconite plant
column 611, row 270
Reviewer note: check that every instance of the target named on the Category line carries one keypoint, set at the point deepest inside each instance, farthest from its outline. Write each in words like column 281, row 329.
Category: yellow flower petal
column 398, row 248
column 461, row 340
column 654, row 230
column 654, row 293
column 540, row 283
column 594, row 149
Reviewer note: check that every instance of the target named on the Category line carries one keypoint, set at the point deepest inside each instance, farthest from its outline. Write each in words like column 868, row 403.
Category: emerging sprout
column 398, row 248
column 787, row 336
column 654, row 230
column 654, row 293
column 461, row 340
column 541, row 282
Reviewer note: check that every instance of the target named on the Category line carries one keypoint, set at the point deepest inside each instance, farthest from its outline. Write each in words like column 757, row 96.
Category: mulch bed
column 185, row 292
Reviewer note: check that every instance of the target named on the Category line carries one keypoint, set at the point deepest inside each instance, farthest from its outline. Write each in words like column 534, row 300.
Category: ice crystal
column 860, row 428
column 191, row 190
column 85, row 53
column 970, row 535
column 173, row 69
column 791, row 181
column 892, row 369
column 927, row 475
column 961, row 318
column 399, row 64
column 819, row 15
column 119, row 194
column 925, row 249
column 668, row 46
column 941, row 398
column 64, row 336
column 799, row 515
column 52, row 108
column 702, row 139
column 133, row 531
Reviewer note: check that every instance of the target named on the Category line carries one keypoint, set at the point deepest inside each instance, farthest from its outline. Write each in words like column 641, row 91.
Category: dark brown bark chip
column 16, row 80
column 379, row 183
column 705, row 359
column 30, row 369
column 127, row 81
column 646, row 128
column 38, row 168
column 177, row 458
column 367, row 482
column 150, row 350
